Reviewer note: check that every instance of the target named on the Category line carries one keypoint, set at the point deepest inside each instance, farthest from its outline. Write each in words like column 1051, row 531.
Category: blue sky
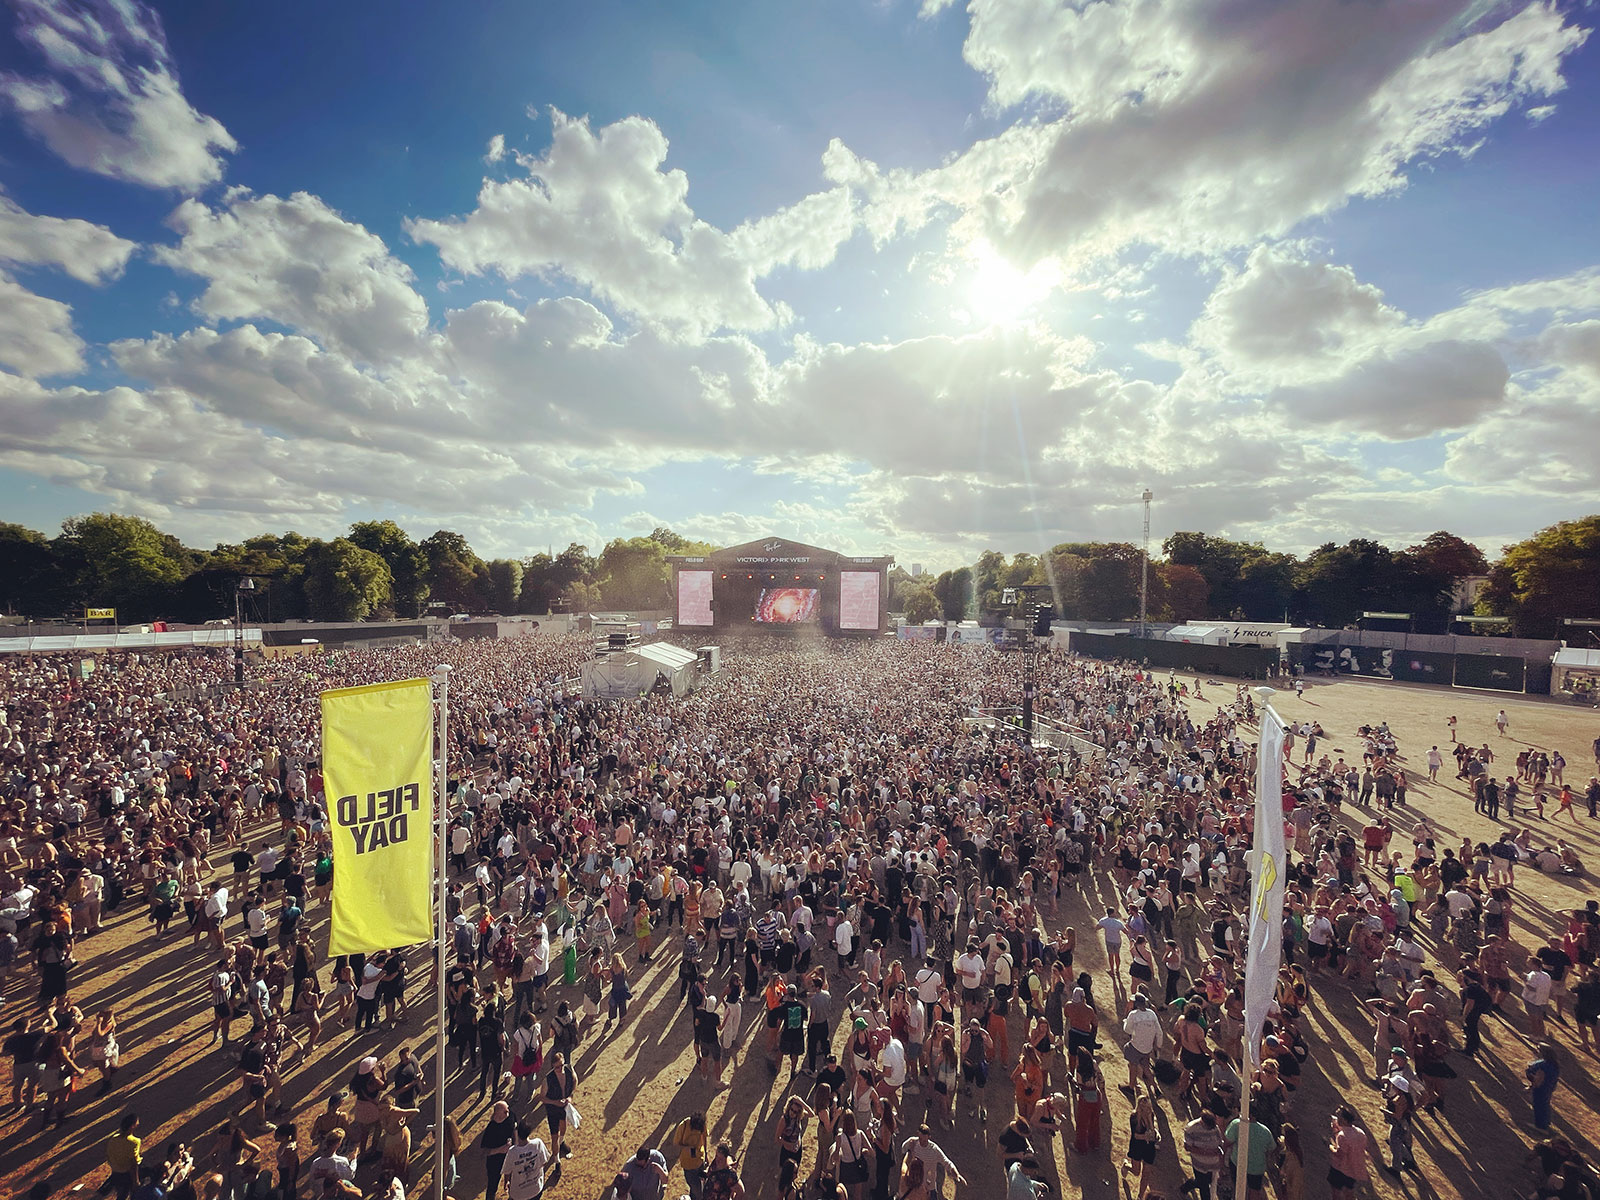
column 897, row 277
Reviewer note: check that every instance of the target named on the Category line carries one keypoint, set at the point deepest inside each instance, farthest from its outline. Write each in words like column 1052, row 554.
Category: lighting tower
column 247, row 587
column 1144, row 568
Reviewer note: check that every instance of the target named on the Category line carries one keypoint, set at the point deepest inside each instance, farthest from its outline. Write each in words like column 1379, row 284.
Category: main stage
column 781, row 587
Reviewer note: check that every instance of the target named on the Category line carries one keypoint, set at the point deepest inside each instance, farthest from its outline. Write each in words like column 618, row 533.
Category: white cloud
column 297, row 262
column 1282, row 313
column 36, row 335
column 110, row 101
column 496, row 150
column 88, row 252
column 1412, row 393
column 600, row 210
column 1198, row 128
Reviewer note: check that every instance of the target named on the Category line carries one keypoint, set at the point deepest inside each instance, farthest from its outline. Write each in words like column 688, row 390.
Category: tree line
column 1536, row 584
column 377, row 570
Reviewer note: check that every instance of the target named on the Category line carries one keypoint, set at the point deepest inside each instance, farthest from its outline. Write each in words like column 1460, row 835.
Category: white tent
column 636, row 670
column 1574, row 669
column 1207, row 635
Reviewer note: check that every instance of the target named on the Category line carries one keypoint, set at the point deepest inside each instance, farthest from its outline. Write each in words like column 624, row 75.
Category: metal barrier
column 1045, row 730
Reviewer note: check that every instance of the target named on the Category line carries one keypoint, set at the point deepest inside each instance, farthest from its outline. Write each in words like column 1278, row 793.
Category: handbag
column 853, row 1170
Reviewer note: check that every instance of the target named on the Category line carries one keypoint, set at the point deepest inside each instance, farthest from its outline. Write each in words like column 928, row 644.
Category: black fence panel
column 1241, row 662
column 1490, row 672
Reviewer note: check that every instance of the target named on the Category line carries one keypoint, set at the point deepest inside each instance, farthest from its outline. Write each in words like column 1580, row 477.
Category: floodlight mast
column 1144, row 569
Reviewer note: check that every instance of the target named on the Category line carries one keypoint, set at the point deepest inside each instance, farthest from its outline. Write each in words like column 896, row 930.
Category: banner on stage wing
column 377, row 767
column 1268, row 869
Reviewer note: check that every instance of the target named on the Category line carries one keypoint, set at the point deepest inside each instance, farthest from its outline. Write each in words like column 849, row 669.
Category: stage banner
column 377, row 765
column 1269, row 871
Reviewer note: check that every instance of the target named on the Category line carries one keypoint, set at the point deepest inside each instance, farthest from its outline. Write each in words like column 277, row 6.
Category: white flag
column 1267, row 870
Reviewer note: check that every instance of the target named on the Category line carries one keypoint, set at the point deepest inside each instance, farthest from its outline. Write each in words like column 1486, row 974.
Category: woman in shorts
column 1144, row 1135
column 977, row 1053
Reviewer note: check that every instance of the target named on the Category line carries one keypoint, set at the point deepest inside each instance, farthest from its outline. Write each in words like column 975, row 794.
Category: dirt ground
column 637, row 1083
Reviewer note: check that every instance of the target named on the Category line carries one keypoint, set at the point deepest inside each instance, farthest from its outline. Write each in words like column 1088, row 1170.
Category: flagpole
column 1241, row 1185
column 441, row 808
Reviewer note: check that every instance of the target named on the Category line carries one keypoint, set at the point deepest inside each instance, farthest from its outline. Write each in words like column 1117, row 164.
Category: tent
column 1575, row 670
column 634, row 671
column 1205, row 635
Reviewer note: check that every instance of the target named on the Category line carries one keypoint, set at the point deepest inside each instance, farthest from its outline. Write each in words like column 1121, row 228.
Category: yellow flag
column 377, row 767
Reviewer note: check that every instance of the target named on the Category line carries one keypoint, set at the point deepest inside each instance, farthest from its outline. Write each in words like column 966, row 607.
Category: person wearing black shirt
column 1475, row 1002
column 832, row 1074
column 496, row 1140
column 1557, row 963
column 243, row 861
column 406, row 1079
column 23, row 1048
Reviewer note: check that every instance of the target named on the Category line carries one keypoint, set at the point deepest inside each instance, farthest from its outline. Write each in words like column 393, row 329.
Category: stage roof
column 781, row 552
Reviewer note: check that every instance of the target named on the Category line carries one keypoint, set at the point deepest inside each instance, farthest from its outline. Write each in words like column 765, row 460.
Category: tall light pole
column 246, row 586
column 1144, row 568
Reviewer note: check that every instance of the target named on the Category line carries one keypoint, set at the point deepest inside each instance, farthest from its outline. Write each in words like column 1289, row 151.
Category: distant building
column 916, row 570
column 1464, row 592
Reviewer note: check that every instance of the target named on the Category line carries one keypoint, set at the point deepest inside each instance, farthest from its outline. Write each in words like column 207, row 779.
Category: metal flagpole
column 441, row 808
column 1257, row 891
column 1242, row 1168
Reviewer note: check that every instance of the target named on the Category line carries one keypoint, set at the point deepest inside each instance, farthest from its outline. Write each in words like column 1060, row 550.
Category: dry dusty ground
column 637, row 1084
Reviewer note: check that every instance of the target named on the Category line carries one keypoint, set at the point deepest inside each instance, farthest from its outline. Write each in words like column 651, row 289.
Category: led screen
column 788, row 606
column 858, row 600
column 694, row 597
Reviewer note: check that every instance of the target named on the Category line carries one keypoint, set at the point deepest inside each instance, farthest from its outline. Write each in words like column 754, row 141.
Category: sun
column 997, row 291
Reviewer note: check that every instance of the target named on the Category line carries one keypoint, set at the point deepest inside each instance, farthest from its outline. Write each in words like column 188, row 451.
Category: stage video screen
column 788, row 606
column 694, row 597
column 858, row 600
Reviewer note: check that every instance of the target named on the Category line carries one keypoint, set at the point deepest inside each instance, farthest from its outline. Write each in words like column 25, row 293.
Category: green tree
column 547, row 581
column 1104, row 578
column 988, row 578
column 1549, row 576
column 453, row 571
column 633, row 573
column 1336, row 584
column 127, row 563
column 1184, row 590
column 1220, row 561
column 1265, row 588
column 32, row 581
column 901, row 585
column 408, row 565
column 343, row 582
column 505, row 585
column 674, row 543
column 921, row 605
column 1450, row 555
column 954, row 592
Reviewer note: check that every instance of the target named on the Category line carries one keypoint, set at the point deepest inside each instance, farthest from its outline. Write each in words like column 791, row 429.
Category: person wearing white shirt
column 844, row 941
column 892, row 1061
column 969, row 972
column 1143, row 1028
column 1536, row 988
column 524, row 1165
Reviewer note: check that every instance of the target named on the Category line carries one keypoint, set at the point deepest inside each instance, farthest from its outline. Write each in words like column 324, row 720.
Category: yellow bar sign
column 377, row 765
column 99, row 614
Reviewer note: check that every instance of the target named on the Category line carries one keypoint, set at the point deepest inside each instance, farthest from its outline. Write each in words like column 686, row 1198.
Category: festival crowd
column 866, row 895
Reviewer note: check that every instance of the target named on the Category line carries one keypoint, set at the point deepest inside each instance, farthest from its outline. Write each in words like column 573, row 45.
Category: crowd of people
column 866, row 898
